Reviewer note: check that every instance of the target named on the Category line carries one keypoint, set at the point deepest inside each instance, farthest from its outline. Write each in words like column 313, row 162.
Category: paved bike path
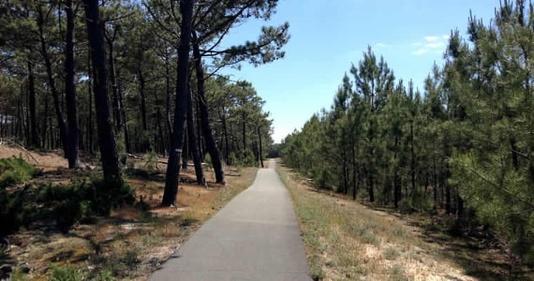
column 254, row 237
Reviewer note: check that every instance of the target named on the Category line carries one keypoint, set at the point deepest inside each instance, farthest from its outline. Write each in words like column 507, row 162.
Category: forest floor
column 131, row 242
column 346, row 240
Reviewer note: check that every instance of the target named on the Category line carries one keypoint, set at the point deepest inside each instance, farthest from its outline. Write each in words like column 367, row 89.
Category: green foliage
column 66, row 205
column 151, row 161
column 67, row 273
column 464, row 146
column 15, row 170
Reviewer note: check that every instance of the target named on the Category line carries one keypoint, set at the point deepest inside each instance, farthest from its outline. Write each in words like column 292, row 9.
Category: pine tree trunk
column 193, row 141
column 106, row 137
column 160, row 137
column 225, row 133
column 175, row 151
column 70, row 90
column 168, row 98
column 412, row 159
column 52, row 85
column 211, row 146
column 260, row 148
column 396, row 177
column 34, row 136
column 90, row 129
column 124, row 121
column 142, row 95
column 114, row 87
column 244, row 134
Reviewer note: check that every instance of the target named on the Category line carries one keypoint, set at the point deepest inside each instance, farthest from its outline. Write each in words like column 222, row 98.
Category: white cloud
column 430, row 44
column 381, row 45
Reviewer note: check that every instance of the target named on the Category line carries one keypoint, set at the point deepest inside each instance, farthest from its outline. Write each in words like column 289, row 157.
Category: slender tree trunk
column 160, row 138
column 106, row 137
column 211, row 146
column 244, row 134
column 124, row 121
column 260, row 153
column 371, row 189
column 143, row 99
column 355, row 178
column 70, row 90
column 225, row 132
column 412, row 159
column 144, row 122
column 45, row 129
column 175, row 151
column 168, row 98
column 114, row 87
column 193, row 141
column 397, row 188
column 90, row 129
column 185, row 149
column 34, row 136
column 51, row 83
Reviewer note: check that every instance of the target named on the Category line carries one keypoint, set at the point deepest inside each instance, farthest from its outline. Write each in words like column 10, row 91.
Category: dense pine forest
column 121, row 89
column 462, row 146
column 136, row 144
column 108, row 78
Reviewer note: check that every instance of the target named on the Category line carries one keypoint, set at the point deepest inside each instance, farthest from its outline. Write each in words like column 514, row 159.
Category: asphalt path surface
column 254, row 237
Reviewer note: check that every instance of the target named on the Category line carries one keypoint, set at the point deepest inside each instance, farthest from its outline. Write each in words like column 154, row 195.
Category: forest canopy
column 463, row 144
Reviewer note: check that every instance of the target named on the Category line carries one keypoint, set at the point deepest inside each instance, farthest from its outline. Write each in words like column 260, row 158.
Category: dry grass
column 131, row 242
column 348, row 241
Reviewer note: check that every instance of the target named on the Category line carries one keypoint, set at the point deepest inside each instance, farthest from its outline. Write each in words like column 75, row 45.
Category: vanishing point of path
column 254, row 237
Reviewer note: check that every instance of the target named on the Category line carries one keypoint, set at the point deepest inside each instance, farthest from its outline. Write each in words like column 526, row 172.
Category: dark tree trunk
column 114, row 86
column 70, row 90
column 124, row 122
column 448, row 199
column 142, row 95
column 168, row 98
column 397, row 188
column 185, row 149
column 211, row 146
column 160, row 138
column 260, row 152
column 244, row 134
column 355, row 178
column 51, row 83
column 412, row 159
column 45, row 130
column 225, row 132
column 34, row 136
column 191, row 134
column 106, row 137
column 90, row 128
column 143, row 99
column 175, row 151
column 371, row 189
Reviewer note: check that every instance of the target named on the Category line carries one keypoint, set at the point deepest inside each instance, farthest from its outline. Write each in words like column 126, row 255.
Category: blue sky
column 327, row 36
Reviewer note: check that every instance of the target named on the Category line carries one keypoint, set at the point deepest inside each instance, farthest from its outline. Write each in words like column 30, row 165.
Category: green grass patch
column 15, row 170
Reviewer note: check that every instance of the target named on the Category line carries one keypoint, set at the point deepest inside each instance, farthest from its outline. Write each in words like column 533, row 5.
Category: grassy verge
column 348, row 241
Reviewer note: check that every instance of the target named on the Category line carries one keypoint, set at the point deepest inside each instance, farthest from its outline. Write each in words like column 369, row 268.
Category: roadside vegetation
column 346, row 240
column 118, row 135
column 55, row 229
column 459, row 150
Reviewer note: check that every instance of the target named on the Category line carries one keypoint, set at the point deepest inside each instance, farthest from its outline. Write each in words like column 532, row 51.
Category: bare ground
column 130, row 243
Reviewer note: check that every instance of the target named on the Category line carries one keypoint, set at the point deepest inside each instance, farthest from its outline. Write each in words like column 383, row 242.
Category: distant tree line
column 465, row 145
column 118, row 77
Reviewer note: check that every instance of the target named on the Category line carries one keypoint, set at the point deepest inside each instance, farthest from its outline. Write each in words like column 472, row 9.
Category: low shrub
column 67, row 273
column 15, row 170
column 81, row 201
